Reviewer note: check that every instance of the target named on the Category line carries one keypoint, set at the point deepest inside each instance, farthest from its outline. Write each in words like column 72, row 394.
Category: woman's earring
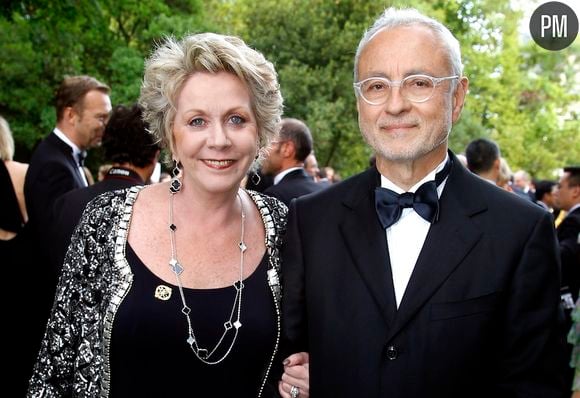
column 256, row 179
column 175, row 184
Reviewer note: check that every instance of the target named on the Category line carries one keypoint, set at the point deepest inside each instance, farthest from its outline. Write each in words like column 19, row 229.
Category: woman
column 13, row 214
column 504, row 179
column 172, row 290
column 14, row 245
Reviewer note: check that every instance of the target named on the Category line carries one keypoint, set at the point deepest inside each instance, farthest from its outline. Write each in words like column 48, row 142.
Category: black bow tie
column 81, row 158
column 424, row 201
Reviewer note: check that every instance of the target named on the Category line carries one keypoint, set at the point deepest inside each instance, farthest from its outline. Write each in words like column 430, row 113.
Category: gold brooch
column 163, row 292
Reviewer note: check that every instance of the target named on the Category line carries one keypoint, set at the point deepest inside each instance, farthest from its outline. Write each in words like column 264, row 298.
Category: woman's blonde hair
column 173, row 62
column 6, row 141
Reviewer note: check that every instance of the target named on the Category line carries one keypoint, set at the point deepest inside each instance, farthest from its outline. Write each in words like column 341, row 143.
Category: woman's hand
column 296, row 378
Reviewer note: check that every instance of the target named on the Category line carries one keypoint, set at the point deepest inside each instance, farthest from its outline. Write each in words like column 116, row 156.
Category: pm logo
column 554, row 26
column 558, row 25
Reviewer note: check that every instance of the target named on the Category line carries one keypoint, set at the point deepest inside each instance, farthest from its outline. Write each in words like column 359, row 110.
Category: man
column 56, row 166
column 286, row 162
column 483, row 159
column 133, row 153
column 318, row 175
column 523, row 185
column 545, row 194
column 567, row 197
column 311, row 166
column 401, row 307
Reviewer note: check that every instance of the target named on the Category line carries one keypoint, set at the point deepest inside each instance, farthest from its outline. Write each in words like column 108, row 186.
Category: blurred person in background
column 483, row 159
column 132, row 153
column 505, row 177
column 13, row 213
column 285, row 162
column 13, row 249
column 523, row 185
column 567, row 198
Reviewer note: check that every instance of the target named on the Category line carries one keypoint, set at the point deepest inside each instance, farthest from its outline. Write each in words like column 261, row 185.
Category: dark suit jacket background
column 294, row 184
column 69, row 208
column 568, row 231
column 485, row 287
column 53, row 171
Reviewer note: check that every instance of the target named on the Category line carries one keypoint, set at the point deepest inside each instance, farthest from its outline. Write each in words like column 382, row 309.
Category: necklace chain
column 205, row 355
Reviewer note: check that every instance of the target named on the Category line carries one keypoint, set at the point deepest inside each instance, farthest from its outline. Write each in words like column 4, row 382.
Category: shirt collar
column 76, row 150
column 284, row 173
column 386, row 183
column 573, row 208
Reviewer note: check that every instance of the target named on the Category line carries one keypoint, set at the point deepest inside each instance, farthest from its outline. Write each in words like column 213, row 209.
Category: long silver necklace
column 205, row 355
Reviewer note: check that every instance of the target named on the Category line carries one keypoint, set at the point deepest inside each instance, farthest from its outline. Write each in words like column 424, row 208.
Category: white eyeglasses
column 415, row 88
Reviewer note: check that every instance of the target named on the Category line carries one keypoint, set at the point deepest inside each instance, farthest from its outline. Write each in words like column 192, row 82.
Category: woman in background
column 13, row 214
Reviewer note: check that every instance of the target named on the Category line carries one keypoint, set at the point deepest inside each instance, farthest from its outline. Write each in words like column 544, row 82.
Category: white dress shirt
column 406, row 237
column 76, row 152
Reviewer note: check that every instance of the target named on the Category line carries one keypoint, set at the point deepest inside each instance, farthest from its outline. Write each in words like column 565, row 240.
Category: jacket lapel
column 67, row 151
column 449, row 240
column 366, row 243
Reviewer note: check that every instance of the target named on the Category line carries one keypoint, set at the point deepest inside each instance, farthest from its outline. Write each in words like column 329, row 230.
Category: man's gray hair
column 394, row 17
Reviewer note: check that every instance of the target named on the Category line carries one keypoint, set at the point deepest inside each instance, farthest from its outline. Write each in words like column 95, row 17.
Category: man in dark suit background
column 567, row 197
column 483, row 159
column 416, row 278
column 82, row 111
column 56, row 167
column 133, row 153
column 522, row 185
column 545, row 195
column 285, row 161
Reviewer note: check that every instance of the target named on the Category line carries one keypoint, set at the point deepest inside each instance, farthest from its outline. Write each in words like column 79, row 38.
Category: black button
column 392, row 352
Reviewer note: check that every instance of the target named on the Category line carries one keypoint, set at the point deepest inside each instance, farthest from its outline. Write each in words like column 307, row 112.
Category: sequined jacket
column 74, row 355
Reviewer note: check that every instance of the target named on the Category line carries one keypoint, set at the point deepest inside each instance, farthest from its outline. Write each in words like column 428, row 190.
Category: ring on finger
column 294, row 392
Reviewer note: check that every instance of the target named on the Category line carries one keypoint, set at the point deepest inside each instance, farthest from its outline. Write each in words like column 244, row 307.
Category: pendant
column 163, row 292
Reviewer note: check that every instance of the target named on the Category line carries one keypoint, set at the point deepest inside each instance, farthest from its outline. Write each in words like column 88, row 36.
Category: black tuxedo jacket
column 294, row 184
column 568, row 237
column 52, row 172
column 479, row 316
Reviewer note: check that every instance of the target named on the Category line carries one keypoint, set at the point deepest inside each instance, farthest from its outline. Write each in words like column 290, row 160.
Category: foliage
column 312, row 44
column 518, row 96
column 42, row 41
column 522, row 96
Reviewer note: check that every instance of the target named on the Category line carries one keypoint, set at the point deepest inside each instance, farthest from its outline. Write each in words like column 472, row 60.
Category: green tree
column 522, row 96
column 42, row 41
column 312, row 45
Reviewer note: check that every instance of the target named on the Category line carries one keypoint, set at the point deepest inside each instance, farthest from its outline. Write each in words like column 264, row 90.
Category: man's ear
column 288, row 149
column 70, row 115
column 459, row 98
column 575, row 191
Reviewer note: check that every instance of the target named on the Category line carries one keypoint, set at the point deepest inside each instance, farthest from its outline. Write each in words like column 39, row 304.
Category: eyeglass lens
column 414, row 88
